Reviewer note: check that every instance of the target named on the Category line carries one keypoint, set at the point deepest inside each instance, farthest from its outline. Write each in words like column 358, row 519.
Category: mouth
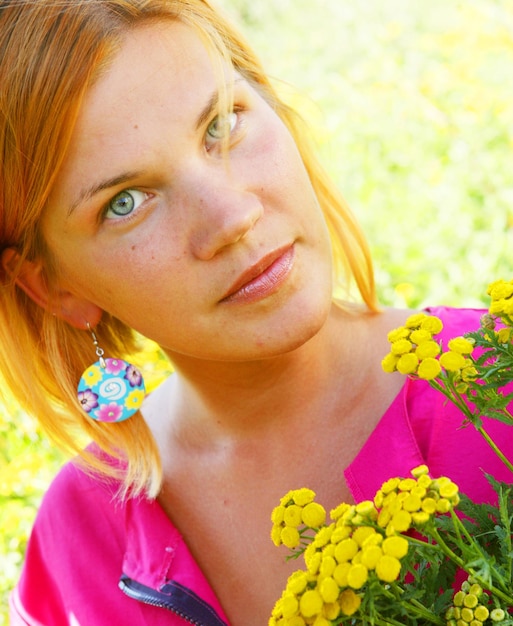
column 263, row 278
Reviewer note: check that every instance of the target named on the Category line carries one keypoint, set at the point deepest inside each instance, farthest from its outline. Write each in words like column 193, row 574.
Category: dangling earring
column 110, row 390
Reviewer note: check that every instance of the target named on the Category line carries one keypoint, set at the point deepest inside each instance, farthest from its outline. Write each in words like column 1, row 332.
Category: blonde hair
column 51, row 51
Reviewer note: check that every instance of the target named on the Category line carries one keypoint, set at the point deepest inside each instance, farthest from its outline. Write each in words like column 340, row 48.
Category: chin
column 290, row 334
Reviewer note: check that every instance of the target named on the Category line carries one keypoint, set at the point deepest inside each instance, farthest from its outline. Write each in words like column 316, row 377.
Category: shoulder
column 74, row 486
column 78, row 537
column 79, row 508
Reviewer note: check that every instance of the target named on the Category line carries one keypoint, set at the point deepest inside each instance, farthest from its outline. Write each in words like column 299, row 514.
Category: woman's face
column 212, row 258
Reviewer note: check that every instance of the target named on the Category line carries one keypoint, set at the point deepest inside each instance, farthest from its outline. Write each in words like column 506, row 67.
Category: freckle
column 133, row 247
column 136, row 126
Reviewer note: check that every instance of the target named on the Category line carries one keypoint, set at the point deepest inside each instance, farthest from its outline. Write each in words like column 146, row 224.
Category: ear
column 29, row 277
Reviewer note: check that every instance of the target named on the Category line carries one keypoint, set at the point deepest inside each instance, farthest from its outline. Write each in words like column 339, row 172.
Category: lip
column 263, row 278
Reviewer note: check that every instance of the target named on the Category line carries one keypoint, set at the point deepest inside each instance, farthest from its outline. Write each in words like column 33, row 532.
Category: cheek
column 282, row 162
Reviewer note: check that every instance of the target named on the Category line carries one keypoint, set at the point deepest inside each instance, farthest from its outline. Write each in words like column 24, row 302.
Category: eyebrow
column 114, row 181
column 212, row 103
column 207, row 110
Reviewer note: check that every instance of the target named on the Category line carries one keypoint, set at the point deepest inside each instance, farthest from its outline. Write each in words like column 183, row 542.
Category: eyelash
column 235, row 114
column 127, row 216
column 237, row 111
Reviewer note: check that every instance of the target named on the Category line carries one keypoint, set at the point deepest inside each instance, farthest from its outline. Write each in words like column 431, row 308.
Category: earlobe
column 30, row 277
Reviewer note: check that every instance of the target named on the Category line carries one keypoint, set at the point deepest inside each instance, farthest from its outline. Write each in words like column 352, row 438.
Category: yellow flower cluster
column 501, row 294
column 410, row 502
column 469, row 607
column 362, row 544
column 414, row 351
column 297, row 510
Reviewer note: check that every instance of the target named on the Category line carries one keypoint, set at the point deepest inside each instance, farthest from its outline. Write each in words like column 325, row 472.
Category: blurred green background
column 411, row 102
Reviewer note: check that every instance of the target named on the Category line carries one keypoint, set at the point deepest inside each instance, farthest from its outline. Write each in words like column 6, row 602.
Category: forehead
column 157, row 82
column 167, row 51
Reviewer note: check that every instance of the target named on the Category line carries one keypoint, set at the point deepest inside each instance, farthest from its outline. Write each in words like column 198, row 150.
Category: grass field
column 411, row 102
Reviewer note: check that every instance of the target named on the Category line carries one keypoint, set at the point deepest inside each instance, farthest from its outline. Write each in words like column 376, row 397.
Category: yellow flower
column 345, row 550
column 290, row 537
column 367, row 509
column 357, row 576
column 428, row 349
column 297, row 582
column 448, row 490
column 452, row 361
column 497, row 307
column 331, row 610
column 310, row 603
column 420, row 518
column 469, row 373
column 276, row 535
column 371, row 555
column 429, row 505
column 312, row 559
column 401, row 521
column 481, row 613
column 395, row 546
column 329, row 590
column 443, row 506
column 432, row 324
column 420, row 336
column 292, row 515
column 388, row 568
column 349, row 602
column 303, row 496
column 390, row 485
column 429, row 369
column 313, row 515
column 339, row 511
column 340, row 573
column 328, row 565
column 407, row 484
column 277, row 514
column 415, row 320
column 461, row 345
column 398, row 333
column 389, row 363
column 289, row 605
column 500, row 289
column 412, row 503
column 408, row 363
column 362, row 534
column 504, row 335
column 402, row 346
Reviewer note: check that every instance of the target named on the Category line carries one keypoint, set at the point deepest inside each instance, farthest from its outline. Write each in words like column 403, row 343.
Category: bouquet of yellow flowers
column 420, row 552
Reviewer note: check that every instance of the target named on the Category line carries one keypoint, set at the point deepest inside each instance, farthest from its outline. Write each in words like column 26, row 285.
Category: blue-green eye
column 220, row 126
column 124, row 203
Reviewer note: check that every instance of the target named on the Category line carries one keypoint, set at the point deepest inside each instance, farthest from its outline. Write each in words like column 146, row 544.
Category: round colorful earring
column 110, row 390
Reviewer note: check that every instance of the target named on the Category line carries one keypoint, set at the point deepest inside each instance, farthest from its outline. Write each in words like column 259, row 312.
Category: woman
column 152, row 181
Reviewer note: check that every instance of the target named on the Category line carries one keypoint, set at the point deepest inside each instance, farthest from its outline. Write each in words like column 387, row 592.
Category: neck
column 223, row 399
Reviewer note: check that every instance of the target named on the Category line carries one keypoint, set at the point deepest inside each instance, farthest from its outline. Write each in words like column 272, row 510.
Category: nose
column 225, row 214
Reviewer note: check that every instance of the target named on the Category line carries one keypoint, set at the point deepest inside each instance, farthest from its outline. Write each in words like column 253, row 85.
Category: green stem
column 461, row 564
column 451, row 394
column 495, row 448
column 412, row 605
